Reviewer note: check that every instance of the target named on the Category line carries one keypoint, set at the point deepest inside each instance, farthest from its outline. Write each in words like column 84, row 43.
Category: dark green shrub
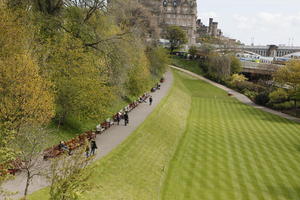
column 288, row 105
column 262, row 98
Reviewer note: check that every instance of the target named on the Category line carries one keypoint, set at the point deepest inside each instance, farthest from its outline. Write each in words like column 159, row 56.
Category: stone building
column 182, row 13
column 202, row 30
column 210, row 30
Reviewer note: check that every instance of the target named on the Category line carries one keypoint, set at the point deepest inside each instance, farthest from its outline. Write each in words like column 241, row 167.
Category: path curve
column 107, row 141
column 242, row 98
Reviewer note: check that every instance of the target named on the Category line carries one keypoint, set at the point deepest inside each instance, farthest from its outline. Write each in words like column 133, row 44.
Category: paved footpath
column 242, row 98
column 107, row 141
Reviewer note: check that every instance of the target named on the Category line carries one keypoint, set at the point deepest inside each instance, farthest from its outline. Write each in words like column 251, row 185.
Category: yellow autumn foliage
column 24, row 95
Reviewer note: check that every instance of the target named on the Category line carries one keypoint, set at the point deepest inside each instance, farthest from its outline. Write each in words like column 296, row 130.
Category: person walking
column 87, row 151
column 118, row 118
column 93, row 147
column 150, row 100
column 126, row 118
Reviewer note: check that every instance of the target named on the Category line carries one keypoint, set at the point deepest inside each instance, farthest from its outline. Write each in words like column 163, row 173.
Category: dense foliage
column 176, row 36
column 69, row 59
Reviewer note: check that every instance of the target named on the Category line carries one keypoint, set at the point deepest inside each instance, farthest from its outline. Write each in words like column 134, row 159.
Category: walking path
column 106, row 142
column 242, row 98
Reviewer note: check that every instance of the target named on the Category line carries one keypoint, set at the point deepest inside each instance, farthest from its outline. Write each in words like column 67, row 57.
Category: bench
column 105, row 125
column 12, row 168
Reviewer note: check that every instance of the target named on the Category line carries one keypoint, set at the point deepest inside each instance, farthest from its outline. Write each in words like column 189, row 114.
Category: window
column 165, row 3
column 175, row 3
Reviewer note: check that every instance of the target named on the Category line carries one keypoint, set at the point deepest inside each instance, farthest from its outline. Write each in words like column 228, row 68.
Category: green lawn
column 201, row 144
column 137, row 168
column 231, row 151
column 191, row 65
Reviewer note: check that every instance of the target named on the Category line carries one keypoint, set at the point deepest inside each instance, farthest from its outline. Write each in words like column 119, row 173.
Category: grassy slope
column 191, row 65
column 232, row 151
column 137, row 168
column 228, row 151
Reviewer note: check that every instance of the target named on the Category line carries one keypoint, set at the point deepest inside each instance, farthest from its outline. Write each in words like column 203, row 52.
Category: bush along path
column 242, row 98
column 106, row 141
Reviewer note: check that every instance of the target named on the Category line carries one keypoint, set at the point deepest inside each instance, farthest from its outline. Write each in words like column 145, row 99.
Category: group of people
column 91, row 148
column 124, row 116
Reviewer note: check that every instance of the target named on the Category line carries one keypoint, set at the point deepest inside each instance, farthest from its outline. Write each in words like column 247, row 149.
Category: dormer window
column 192, row 3
column 175, row 3
column 165, row 3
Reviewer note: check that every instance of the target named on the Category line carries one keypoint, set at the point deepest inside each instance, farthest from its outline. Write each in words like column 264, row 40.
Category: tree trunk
column 27, row 184
column 295, row 107
column 62, row 119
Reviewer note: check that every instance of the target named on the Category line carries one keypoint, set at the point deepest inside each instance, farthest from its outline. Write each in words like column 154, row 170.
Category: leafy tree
column 236, row 65
column 238, row 78
column 24, row 95
column 68, row 176
column 262, row 98
column 193, row 51
column 219, row 67
column 25, row 99
column 80, row 80
column 138, row 74
column 289, row 76
column 159, row 60
column 176, row 36
column 7, row 155
column 278, row 96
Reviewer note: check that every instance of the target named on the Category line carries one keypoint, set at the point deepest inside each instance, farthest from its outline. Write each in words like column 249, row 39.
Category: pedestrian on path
column 150, row 100
column 87, row 151
column 93, row 147
column 118, row 118
column 126, row 118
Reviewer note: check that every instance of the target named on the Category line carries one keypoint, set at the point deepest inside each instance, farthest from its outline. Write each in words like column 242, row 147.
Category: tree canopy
column 177, row 37
column 71, row 59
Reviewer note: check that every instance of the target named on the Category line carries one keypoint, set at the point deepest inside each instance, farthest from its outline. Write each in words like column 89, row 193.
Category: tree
column 236, row 65
column 139, row 74
column 238, row 78
column 30, row 144
column 159, row 60
column 176, row 36
column 24, row 94
column 193, row 51
column 80, row 80
column 68, row 176
column 289, row 77
column 7, row 155
column 219, row 67
column 25, row 99
column 278, row 96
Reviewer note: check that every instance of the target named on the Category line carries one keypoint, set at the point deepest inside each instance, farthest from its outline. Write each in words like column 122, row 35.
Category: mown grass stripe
column 245, row 153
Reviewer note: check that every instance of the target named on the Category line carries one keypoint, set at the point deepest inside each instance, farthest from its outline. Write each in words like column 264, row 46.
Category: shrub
column 236, row 65
column 262, row 98
column 278, row 96
column 236, row 79
column 250, row 94
column 288, row 105
column 240, row 86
